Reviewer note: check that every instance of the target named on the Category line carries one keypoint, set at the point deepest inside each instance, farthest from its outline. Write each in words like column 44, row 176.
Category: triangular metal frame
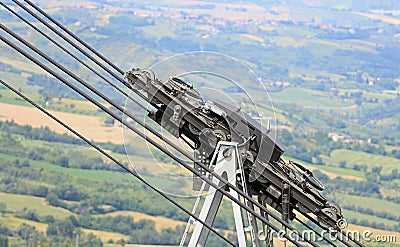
column 228, row 164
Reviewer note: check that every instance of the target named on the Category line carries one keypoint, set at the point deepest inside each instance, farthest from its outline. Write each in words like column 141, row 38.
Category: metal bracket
column 229, row 166
column 285, row 202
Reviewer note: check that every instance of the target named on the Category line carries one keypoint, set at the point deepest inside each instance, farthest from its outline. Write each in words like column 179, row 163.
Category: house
column 335, row 136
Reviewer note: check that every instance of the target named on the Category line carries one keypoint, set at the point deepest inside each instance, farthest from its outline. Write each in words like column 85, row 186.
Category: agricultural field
column 360, row 158
column 11, row 221
column 373, row 203
column 161, row 222
column 90, row 126
column 330, row 69
column 17, row 202
column 351, row 215
column 375, row 233
column 308, row 98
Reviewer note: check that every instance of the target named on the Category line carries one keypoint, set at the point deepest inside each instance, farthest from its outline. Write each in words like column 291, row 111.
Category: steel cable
column 101, row 95
column 72, row 55
column 154, row 143
column 92, row 144
column 75, row 36
column 66, row 39
column 340, row 231
column 319, row 234
column 85, row 43
column 119, row 109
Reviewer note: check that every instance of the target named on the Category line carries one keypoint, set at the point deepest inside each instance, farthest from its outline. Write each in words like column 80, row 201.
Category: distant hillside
column 354, row 4
column 330, row 67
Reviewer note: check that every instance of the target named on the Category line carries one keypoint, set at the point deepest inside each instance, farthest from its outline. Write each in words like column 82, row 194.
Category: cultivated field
column 307, row 98
column 15, row 222
column 374, row 204
column 16, row 202
column 90, row 126
column 379, row 17
column 161, row 222
column 361, row 158
column 333, row 172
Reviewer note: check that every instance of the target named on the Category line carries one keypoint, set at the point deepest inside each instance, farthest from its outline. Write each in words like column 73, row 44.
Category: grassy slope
column 91, row 127
column 10, row 98
column 366, row 202
column 93, row 175
column 332, row 171
column 161, row 222
column 81, row 107
column 351, row 215
column 14, row 222
column 305, row 98
column 362, row 158
column 16, row 202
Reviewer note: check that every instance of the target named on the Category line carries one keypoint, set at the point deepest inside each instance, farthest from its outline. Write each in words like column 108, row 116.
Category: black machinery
column 214, row 130
column 202, row 124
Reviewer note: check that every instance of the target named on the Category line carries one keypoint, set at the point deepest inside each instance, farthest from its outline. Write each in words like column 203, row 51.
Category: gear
column 331, row 212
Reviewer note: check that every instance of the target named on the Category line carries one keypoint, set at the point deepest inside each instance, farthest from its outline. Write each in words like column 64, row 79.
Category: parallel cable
column 117, row 106
column 76, row 46
column 93, row 90
column 75, row 36
column 87, row 46
column 344, row 233
column 52, row 61
column 109, row 156
column 319, row 234
column 68, row 40
column 160, row 147
column 72, row 55
column 155, row 133
column 340, row 231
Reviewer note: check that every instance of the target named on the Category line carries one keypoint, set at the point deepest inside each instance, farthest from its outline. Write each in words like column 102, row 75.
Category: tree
column 91, row 240
column 121, row 242
column 40, row 191
column 286, row 136
column 63, row 161
column 48, row 219
column 3, row 208
column 29, row 214
column 26, row 163
column 377, row 169
column 52, row 198
column 69, row 192
column 3, row 241
column 394, row 173
column 64, row 228
column 109, row 121
column 25, row 230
